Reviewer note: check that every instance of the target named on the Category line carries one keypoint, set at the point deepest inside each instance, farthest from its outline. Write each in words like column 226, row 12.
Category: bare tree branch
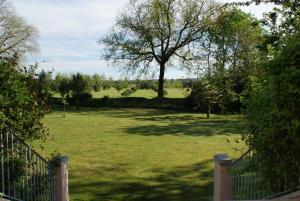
column 155, row 31
column 16, row 36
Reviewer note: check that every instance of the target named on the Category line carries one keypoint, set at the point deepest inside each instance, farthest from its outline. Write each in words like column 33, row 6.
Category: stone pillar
column 222, row 189
column 61, row 180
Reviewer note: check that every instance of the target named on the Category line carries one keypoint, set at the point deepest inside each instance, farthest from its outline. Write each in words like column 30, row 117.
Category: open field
column 140, row 154
column 146, row 93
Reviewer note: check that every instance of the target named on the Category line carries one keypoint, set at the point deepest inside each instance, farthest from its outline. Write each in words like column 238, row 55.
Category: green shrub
column 130, row 102
column 274, row 116
column 127, row 92
column 22, row 104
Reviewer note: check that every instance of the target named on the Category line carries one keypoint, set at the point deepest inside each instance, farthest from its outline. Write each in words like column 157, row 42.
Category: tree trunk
column 222, row 108
column 64, row 109
column 208, row 111
column 160, row 92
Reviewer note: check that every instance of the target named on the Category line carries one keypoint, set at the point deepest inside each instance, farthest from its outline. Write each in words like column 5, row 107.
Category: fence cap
column 222, row 159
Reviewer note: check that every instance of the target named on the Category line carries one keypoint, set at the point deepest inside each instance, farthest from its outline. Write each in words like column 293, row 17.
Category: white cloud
column 69, row 19
column 69, row 30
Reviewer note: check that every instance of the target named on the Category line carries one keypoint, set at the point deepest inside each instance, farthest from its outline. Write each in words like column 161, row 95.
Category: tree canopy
column 22, row 104
column 155, row 33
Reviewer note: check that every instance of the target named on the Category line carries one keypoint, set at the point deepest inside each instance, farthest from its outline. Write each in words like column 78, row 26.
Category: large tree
column 236, row 37
column 153, row 33
column 15, row 34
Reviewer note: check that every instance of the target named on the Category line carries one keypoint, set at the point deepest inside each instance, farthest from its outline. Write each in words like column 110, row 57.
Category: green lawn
column 140, row 154
column 149, row 93
column 146, row 93
column 112, row 93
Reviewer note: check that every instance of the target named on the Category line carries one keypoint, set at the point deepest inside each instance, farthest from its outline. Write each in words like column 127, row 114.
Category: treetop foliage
column 22, row 104
column 150, row 35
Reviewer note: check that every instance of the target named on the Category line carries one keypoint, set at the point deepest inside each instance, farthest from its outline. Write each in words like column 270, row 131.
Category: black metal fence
column 24, row 174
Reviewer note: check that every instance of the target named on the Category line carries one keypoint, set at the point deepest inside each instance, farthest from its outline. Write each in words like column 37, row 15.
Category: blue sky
column 69, row 31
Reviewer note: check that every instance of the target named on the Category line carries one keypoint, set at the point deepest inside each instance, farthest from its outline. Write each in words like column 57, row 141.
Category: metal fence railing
column 24, row 174
column 246, row 182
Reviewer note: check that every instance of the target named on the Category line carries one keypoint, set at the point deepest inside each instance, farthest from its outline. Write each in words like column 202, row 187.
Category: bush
column 130, row 102
column 22, row 104
column 155, row 88
column 127, row 92
column 81, row 99
column 274, row 116
column 97, row 87
column 134, row 89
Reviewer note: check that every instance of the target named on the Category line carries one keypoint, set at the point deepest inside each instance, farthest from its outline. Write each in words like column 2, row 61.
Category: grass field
column 140, row 154
column 146, row 93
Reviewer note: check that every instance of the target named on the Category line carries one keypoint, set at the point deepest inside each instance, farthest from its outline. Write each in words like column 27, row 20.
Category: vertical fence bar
column 24, row 174
column 248, row 184
column 2, row 162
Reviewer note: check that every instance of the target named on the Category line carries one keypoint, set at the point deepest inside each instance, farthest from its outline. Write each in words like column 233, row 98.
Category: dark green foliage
column 128, row 92
column 154, row 87
column 203, row 96
column 173, row 83
column 64, row 87
column 78, row 84
column 22, row 105
column 232, row 52
column 130, row 102
column 119, row 87
column 80, row 100
column 97, row 82
column 79, row 88
column 133, row 89
column 55, row 159
column 274, row 115
column 16, row 169
column 146, row 84
column 44, row 83
column 97, row 87
column 107, row 84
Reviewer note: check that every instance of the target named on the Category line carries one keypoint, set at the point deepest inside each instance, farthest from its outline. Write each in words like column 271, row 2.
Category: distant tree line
column 65, row 83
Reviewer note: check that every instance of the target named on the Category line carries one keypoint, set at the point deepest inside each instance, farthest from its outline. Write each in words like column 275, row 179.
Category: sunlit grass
column 140, row 154
column 145, row 93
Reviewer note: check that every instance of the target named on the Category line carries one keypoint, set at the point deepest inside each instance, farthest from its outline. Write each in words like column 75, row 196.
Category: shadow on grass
column 170, row 122
column 188, row 183
column 194, row 128
column 182, row 123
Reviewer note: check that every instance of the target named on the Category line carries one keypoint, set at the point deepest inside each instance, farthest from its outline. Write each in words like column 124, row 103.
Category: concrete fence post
column 61, row 181
column 222, row 190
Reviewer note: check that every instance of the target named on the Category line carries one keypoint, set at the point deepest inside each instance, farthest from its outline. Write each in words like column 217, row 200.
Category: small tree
column 97, row 82
column 64, row 89
column 203, row 96
column 45, row 83
column 119, row 86
column 78, row 86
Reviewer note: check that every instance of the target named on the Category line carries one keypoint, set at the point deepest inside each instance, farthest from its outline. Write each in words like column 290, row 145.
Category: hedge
column 127, row 102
